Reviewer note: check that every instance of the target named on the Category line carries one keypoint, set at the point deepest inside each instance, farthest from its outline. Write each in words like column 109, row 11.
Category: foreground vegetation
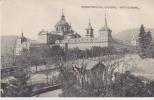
column 123, row 85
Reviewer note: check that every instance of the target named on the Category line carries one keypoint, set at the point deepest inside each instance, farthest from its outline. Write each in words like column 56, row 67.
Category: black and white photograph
column 77, row 48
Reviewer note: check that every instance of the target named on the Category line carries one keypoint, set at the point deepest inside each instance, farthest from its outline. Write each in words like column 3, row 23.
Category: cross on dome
column 105, row 20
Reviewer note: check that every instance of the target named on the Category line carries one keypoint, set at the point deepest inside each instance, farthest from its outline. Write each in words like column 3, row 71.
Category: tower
column 105, row 32
column 23, row 38
column 89, row 31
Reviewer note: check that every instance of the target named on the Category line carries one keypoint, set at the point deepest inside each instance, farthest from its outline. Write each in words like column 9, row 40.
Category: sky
column 31, row 16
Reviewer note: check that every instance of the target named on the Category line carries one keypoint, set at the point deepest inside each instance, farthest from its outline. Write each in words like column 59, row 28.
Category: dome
column 62, row 23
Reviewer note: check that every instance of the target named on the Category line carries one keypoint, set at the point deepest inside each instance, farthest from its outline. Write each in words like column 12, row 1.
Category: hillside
column 7, row 44
column 127, row 35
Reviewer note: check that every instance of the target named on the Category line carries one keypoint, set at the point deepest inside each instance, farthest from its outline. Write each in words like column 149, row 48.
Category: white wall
column 43, row 38
column 84, row 46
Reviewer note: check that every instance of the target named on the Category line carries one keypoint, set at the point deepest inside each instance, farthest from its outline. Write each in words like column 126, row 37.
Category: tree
column 144, row 41
column 19, row 86
column 67, row 79
column 35, row 57
column 148, row 38
column 129, row 85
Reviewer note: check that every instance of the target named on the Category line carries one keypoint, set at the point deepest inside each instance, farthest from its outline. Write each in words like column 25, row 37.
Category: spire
column 62, row 17
column 89, row 30
column 70, row 23
column 105, row 20
column 22, row 34
column 62, row 12
column 89, row 23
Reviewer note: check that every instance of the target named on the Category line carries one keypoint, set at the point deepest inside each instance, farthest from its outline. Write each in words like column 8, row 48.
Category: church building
column 89, row 40
column 65, row 37
column 63, row 30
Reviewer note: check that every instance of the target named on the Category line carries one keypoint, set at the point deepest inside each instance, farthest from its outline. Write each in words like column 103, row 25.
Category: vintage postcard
column 77, row 48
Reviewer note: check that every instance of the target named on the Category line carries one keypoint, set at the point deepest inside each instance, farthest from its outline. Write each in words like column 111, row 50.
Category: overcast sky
column 31, row 16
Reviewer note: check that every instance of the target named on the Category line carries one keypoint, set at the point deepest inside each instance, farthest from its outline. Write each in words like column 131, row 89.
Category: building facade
column 63, row 30
column 24, row 44
column 89, row 40
column 64, row 35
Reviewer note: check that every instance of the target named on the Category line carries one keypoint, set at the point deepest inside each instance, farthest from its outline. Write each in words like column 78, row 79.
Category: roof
column 76, row 34
column 80, row 40
column 105, row 28
column 24, row 39
column 89, row 26
column 62, row 22
column 87, row 62
column 43, row 32
column 91, row 65
column 69, row 34
column 98, row 65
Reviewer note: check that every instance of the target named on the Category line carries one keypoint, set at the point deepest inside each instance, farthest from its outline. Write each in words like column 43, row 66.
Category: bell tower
column 89, row 31
column 105, row 32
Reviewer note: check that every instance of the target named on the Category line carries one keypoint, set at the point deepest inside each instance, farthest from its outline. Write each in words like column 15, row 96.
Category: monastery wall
column 84, row 45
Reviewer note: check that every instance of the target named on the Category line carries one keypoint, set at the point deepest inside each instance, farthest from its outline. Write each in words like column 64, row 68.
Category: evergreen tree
column 144, row 41
column 141, row 39
column 148, row 38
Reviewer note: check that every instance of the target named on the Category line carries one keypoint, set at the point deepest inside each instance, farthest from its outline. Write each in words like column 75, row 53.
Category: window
column 62, row 29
